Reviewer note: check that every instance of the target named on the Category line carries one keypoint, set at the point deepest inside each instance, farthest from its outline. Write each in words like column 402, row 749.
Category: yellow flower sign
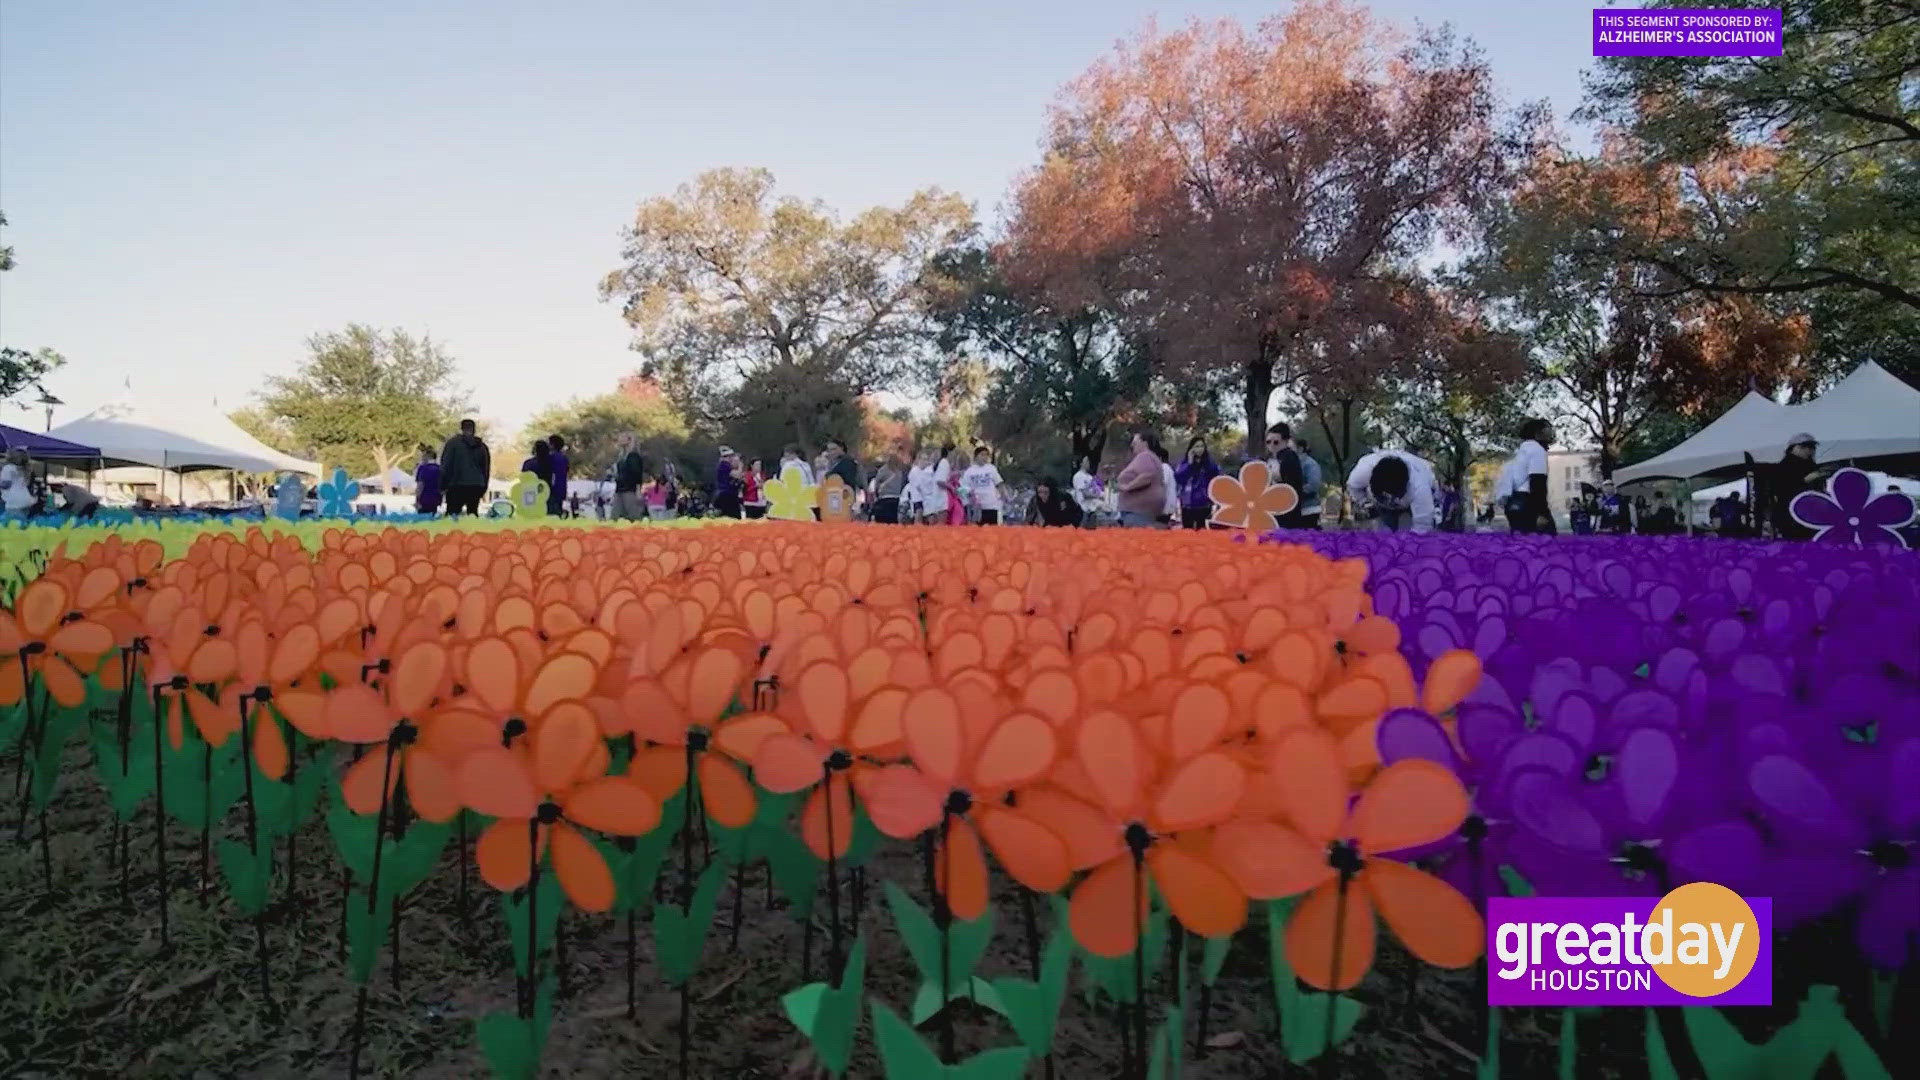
column 529, row 496
column 836, row 500
column 789, row 496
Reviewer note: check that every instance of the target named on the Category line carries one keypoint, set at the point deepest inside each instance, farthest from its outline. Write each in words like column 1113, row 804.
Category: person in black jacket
column 1283, row 467
column 629, row 470
column 1052, row 507
column 1792, row 474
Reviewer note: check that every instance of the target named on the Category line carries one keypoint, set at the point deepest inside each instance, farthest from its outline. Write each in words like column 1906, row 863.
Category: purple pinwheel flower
column 1851, row 835
column 1847, row 512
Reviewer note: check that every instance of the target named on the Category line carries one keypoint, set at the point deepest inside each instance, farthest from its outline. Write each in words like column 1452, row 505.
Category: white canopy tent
column 1868, row 414
column 393, row 481
column 177, row 440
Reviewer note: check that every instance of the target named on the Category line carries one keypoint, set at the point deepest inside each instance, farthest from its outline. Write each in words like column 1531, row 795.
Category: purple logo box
column 1686, row 32
column 1515, row 978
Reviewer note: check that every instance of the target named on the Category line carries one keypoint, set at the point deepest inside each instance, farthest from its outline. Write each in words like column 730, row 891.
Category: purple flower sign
column 1848, row 513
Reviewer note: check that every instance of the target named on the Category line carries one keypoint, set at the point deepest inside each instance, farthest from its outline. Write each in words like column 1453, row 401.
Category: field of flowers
column 312, row 800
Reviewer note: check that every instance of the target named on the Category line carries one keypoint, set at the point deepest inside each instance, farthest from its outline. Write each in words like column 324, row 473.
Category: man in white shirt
column 982, row 486
column 1396, row 489
column 791, row 456
column 1523, row 482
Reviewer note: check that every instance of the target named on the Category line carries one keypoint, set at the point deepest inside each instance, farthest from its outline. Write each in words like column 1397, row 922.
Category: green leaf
column 1213, row 958
column 966, row 941
column 1516, row 885
column 905, row 1056
column 1033, row 1008
column 353, row 837
column 13, row 724
column 1884, row 985
column 1569, row 1043
column 190, row 799
column 508, row 1045
column 634, row 872
column 56, row 729
column 127, row 787
column 864, row 841
column 1821, row 1029
column 796, row 873
column 366, row 931
column 830, row 1016
column 1490, row 1059
column 680, row 937
column 1723, row 1052
column 513, row 907
column 927, row 1002
column 1659, row 1061
column 1303, row 1014
column 1164, row 1058
column 412, row 858
column 248, row 873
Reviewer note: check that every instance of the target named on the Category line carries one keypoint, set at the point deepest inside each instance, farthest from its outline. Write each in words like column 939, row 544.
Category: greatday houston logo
column 1701, row 944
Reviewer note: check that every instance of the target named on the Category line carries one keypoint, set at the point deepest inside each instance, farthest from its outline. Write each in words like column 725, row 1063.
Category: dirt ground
column 85, row 993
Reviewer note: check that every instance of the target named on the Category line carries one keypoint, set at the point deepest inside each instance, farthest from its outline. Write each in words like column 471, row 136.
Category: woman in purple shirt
column 556, row 496
column 426, row 482
column 1192, row 477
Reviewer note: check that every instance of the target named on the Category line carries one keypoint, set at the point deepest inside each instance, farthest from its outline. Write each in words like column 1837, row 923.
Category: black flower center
column 1138, row 838
column 1474, row 828
column 403, row 734
column 839, row 761
column 958, row 802
column 1890, row 855
column 548, row 813
column 697, row 739
column 1344, row 856
column 514, row 728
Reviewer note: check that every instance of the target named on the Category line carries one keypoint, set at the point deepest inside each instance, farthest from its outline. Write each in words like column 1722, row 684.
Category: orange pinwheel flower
column 959, row 779
column 825, row 756
column 1336, row 853
column 681, row 728
column 265, row 669
column 38, row 638
column 1251, row 502
column 542, row 797
column 1142, row 816
column 357, row 713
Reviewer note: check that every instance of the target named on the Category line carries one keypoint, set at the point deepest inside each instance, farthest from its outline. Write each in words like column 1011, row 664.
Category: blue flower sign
column 337, row 495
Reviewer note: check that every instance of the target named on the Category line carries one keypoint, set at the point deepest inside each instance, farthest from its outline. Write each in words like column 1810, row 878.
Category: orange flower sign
column 1251, row 502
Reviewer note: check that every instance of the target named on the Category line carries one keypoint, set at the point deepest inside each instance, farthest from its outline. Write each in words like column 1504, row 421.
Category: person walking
column 560, row 466
column 1309, row 486
column 953, row 465
column 1141, row 485
column 466, row 464
column 629, row 469
column 1523, row 482
column 726, row 485
column 16, row 488
column 426, row 482
column 922, row 488
column 1170, row 508
column 541, row 463
column 1283, row 467
column 1193, row 476
column 889, row 489
column 1395, row 489
column 985, row 490
column 791, row 456
column 1089, row 491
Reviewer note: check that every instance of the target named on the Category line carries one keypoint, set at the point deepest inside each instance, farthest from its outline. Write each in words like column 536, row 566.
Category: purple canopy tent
column 46, row 447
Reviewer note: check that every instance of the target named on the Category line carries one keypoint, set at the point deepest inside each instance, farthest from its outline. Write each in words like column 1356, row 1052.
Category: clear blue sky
column 193, row 187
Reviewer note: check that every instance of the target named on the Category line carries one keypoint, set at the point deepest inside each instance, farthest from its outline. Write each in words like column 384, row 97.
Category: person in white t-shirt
column 1170, row 512
column 1396, row 489
column 984, row 489
column 16, row 495
column 1523, row 481
column 1089, row 492
column 922, row 489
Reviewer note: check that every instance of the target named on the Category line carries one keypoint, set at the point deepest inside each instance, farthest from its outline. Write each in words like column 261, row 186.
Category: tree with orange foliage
column 1232, row 190
column 1612, row 346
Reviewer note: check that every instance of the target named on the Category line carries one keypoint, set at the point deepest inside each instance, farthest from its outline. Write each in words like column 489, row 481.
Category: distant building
column 1566, row 471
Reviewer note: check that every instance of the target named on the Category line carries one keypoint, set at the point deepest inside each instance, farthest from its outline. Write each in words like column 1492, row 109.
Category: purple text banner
column 1686, row 32
column 1600, row 950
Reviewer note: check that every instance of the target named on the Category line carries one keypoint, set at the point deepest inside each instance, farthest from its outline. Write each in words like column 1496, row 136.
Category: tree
column 1830, row 200
column 21, row 369
column 1230, row 191
column 739, row 300
column 363, row 396
column 1054, row 370
column 1613, row 349
column 592, row 427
